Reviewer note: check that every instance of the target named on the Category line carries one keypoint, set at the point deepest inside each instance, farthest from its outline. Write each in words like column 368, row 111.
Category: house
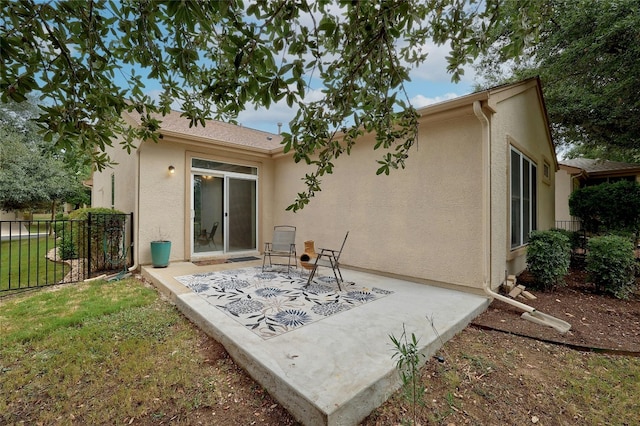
column 580, row 172
column 480, row 178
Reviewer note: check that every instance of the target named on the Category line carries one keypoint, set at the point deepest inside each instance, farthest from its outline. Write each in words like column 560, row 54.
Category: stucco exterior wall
column 162, row 197
column 519, row 121
column 422, row 222
column 125, row 180
column 165, row 200
column 564, row 188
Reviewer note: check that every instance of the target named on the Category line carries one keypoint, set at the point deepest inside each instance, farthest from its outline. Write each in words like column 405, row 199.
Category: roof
column 173, row 124
column 601, row 167
column 232, row 135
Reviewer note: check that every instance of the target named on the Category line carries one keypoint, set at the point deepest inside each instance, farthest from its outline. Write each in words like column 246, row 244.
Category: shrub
column 548, row 257
column 610, row 206
column 58, row 227
column 68, row 248
column 611, row 265
column 573, row 236
column 107, row 234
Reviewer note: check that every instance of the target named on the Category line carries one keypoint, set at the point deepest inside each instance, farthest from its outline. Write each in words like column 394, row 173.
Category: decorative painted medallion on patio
column 273, row 302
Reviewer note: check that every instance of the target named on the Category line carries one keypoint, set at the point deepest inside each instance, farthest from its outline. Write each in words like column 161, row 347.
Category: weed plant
column 408, row 358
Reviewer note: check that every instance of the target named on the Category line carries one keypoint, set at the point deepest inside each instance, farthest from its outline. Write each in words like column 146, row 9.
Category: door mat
column 221, row 261
column 274, row 302
column 243, row 259
column 209, row 262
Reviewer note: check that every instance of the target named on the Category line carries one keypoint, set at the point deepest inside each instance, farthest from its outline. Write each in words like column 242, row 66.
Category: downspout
column 136, row 215
column 531, row 313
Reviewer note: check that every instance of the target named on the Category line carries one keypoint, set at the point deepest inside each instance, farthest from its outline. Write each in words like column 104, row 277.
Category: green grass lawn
column 110, row 353
column 23, row 264
column 116, row 353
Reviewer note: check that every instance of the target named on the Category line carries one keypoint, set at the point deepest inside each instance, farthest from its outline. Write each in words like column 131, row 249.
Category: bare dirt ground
column 530, row 374
column 597, row 321
column 524, row 373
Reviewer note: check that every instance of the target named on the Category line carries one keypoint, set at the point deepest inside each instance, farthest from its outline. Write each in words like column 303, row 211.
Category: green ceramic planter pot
column 160, row 252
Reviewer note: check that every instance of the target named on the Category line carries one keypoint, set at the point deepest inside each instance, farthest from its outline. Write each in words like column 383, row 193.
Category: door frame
column 224, row 226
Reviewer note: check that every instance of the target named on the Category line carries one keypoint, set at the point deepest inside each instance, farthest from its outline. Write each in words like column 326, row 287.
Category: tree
column 587, row 57
column 30, row 175
column 220, row 57
column 612, row 206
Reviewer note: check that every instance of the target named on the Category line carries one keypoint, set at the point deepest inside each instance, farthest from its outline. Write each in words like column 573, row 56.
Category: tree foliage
column 587, row 57
column 611, row 206
column 31, row 175
column 219, row 57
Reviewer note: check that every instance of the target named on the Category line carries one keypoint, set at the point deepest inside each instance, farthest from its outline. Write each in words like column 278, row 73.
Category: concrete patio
column 337, row 370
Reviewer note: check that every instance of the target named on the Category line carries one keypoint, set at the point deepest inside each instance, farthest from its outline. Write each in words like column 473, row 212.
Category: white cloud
column 280, row 112
column 434, row 69
column 420, row 101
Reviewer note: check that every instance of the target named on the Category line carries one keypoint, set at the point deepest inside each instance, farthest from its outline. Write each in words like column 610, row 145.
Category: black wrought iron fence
column 569, row 225
column 45, row 252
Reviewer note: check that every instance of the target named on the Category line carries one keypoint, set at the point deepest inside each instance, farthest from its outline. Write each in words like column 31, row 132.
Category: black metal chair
column 213, row 234
column 207, row 238
column 330, row 259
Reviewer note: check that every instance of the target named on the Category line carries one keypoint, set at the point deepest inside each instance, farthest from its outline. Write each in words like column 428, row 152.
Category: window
column 546, row 172
column 523, row 198
column 198, row 163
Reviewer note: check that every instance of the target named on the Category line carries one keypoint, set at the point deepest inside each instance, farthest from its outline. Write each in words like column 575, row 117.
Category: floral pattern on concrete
column 274, row 302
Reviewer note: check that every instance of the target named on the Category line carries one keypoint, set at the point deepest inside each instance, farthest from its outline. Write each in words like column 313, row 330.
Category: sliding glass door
column 224, row 208
column 241, row 222
column 208, row 213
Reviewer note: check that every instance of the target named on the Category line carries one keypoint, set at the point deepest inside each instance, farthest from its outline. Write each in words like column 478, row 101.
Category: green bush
column 83, row 214
column 107, row 234
column 611, row 265
column 574, row 237
column 548, row 257
column 68, row 247
column 58, row 227
column 608, row 206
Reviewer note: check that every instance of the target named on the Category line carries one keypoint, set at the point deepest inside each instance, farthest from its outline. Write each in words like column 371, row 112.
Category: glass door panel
column 241, row 206
column 208, row 212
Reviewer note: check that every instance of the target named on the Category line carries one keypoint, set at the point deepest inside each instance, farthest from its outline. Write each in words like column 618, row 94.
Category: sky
column 430, row 83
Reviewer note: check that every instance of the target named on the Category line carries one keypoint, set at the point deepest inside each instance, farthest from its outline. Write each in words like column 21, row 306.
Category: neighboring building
column 480, row 178
column 580, row 172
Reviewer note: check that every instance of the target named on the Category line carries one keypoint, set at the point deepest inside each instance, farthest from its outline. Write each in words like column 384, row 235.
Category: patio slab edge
column 286, row 369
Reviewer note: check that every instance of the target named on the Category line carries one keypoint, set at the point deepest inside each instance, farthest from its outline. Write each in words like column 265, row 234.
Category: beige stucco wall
column 163, row 211
column 564, row 188
column 421, row 222
column 519, row 121
column 165, row 203
column 426, row 222
column 125, row 174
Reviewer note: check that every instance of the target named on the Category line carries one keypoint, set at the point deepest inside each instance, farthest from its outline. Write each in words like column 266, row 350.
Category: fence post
column 88, row 236
column 131, row 242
